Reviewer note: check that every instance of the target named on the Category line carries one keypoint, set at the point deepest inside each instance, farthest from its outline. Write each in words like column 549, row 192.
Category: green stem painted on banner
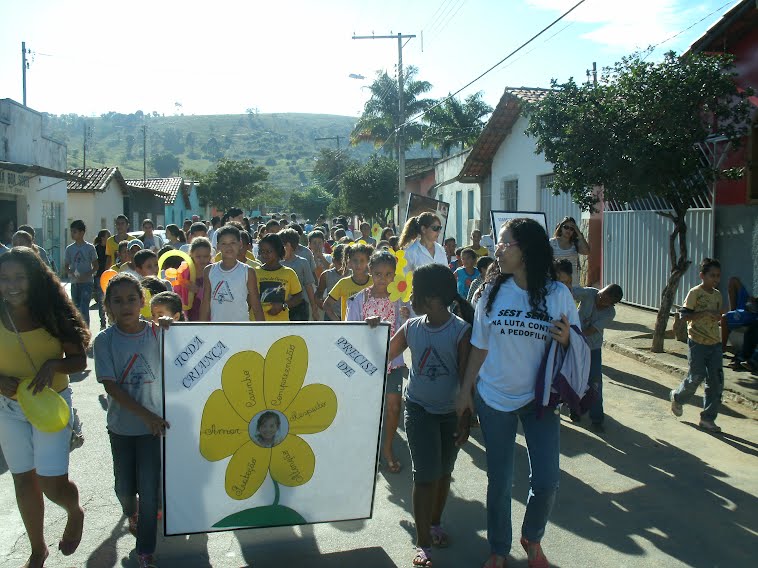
column 276, row 493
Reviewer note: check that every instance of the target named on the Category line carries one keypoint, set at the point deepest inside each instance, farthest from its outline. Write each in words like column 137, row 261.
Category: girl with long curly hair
column 42, row 336
column 521, row 311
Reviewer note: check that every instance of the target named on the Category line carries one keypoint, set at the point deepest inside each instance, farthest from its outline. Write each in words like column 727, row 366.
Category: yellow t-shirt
column 41, row 347
column 481, row 251
column 275, row 287
column 705, row 331
column 111, row 246
column 346, row 288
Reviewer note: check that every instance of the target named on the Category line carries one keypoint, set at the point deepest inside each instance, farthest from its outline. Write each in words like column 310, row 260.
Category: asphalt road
column 652, row 490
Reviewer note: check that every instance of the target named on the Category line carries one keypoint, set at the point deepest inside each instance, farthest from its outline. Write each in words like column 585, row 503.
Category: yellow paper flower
column 376, row 231
column 251, row 385
column 401, row 287
column 401, row 262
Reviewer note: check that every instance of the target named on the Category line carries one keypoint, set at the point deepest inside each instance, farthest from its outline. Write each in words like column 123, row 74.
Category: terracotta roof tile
column 479, row 162
column 97, row 179
column 167, row 188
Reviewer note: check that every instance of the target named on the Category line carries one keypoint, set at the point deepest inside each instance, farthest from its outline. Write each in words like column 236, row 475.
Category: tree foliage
column 329, row 166
column 641, row 131
column 381, row 113
column 165, row 164
column 456, row 124
column 368, row 190
column 233, row 183
column 311, row 201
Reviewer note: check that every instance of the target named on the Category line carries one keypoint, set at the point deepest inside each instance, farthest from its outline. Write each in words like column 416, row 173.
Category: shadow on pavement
column 741, row 444
column 625, row 326
column 656, row 389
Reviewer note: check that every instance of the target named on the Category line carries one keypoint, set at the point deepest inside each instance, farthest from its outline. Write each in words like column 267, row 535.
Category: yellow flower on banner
column 401, row 287
column 254, row 389
column 401, row 262
column 376, row 231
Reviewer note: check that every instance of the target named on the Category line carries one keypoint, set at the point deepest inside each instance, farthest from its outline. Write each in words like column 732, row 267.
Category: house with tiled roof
column 103, row 193
column 511, row 176
column 179, row 196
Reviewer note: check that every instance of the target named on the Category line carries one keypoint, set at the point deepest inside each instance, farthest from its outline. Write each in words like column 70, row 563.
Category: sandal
column 440, row 538
column 423, row 557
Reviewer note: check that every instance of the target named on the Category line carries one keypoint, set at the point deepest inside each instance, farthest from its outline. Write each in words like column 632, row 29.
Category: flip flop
column 423, row 557
column 440, row 538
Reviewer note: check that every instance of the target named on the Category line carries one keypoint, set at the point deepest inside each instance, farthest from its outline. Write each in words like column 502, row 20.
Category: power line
column 653, row 47
column 450, row 19
column 511, row 54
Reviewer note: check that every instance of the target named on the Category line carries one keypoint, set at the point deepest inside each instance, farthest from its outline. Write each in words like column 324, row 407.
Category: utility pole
column 87, row 137
column 401, row 120
column 594, row 74
column 144, row 152
column 24, row 67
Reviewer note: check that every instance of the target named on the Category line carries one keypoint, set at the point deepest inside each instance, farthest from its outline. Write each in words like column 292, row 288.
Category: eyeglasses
column 507, row 245
column 435, row 227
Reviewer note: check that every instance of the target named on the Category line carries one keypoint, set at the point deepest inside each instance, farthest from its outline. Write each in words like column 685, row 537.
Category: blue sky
column 225, row 56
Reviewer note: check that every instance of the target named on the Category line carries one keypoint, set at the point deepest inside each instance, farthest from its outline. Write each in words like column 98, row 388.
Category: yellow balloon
column 46, row 410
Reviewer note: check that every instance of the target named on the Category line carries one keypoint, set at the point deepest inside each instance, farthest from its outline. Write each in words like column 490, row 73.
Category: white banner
column 271, row 424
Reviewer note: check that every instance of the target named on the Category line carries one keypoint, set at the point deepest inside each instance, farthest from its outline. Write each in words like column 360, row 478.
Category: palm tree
column 456, row 123
column 381, row 115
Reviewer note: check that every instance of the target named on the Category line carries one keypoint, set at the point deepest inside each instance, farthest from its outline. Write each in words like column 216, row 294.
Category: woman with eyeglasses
column 419, row 239
column 568, row 242
column 522, row 310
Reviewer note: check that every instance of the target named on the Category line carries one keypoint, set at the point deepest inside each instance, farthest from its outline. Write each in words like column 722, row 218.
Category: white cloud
column 626, row 24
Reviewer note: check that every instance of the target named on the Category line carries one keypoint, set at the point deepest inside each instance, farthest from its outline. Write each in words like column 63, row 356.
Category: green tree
column 329, row 165
column 369, row 189
column 233, row 183
column 311, row 201
column 456, row 124
column 639, row 133
column 381, row 114
column 165, row 164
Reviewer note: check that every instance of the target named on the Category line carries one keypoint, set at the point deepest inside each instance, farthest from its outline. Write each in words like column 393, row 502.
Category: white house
column 32, row 177
column 465, row 212
column 98, row 200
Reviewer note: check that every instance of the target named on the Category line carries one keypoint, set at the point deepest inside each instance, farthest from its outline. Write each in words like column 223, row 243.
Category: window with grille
column 546, row 180
column 509, row 195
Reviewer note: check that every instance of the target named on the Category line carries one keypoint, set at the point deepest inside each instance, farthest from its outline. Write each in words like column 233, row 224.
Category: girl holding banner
column 42, row 341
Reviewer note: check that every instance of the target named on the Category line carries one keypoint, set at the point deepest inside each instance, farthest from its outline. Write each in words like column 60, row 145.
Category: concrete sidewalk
column 631, row 334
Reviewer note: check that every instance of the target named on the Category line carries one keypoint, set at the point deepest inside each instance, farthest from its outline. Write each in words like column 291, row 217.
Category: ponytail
column 411, row 231
column 464, row 309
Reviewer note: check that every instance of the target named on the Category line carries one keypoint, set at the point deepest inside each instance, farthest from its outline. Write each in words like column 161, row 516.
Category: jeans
column 99, row 295
column 596, row 383
column 137, row 470
column 543, row 448
column 81, row 294
column 705, row 362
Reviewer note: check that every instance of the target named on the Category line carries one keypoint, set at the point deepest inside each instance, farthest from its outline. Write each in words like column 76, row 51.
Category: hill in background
column 283, row 142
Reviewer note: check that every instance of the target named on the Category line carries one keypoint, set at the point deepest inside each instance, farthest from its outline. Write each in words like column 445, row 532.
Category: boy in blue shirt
column 467, row 273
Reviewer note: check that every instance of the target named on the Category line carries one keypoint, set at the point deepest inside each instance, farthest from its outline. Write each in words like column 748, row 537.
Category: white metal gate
column 556, row 207
column 636, row 252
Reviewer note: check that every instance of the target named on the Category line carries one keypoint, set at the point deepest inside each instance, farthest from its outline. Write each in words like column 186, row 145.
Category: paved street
column 651, row 491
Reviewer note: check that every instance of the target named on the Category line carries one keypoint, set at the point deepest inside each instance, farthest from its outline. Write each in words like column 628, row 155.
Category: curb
column 675, row 370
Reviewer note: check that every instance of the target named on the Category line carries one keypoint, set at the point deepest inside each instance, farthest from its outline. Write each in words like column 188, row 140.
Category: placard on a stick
column 271, row 424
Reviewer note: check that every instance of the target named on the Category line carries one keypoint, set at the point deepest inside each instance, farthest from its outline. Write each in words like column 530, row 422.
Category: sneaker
column 709, row 426
column 146, row 561
column 535, row 557
column 676, row 407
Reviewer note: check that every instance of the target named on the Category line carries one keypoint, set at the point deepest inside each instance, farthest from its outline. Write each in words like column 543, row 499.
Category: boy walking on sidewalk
column 702, row 312
column 596, row 311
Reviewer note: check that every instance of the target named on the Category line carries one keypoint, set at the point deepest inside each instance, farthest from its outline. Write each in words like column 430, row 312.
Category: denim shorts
column 25, row 448
column 395, row 380
column 431, row 440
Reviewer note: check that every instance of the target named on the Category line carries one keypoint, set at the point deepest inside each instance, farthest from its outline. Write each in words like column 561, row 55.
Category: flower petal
column 242, row 381
column 246, row 471
column 222, row 430
column 286, row 364
column 313, row 410
column 292, row 462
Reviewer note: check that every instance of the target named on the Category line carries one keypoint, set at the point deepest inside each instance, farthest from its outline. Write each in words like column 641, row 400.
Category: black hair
column 615, row 292
column 340, row 234
column 24, row 236
column 315, row 235
column 338, row 253
column 469, row 251
column 394, row 241
column 275, row 242
column 234, row 212
column 412, row 228
column 459, row 250
column 153, row 285
column 265, row 416
column 198, row 227
column 384, row 236
column 447, row 240
column 436, row 281
column 271, row 223
column 483, row 263
column 173, row 229
column 228, row 230
column 368, row 250
column 171, row 300
column 77, row 225
column 296, row 227
column 200, row 242
column 140, row 257
column 47, row 300
column 99, row 238
column 564, row 265
column 122, row 217
column 290, row 236
column 28, row 228
column 707, row 263
column 537, row 256
column 215, row 220
column 118, row 280
column 172, row 262
column 382, row 257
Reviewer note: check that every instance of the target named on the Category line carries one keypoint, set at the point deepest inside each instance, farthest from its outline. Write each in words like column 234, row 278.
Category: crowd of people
column 479, row 328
